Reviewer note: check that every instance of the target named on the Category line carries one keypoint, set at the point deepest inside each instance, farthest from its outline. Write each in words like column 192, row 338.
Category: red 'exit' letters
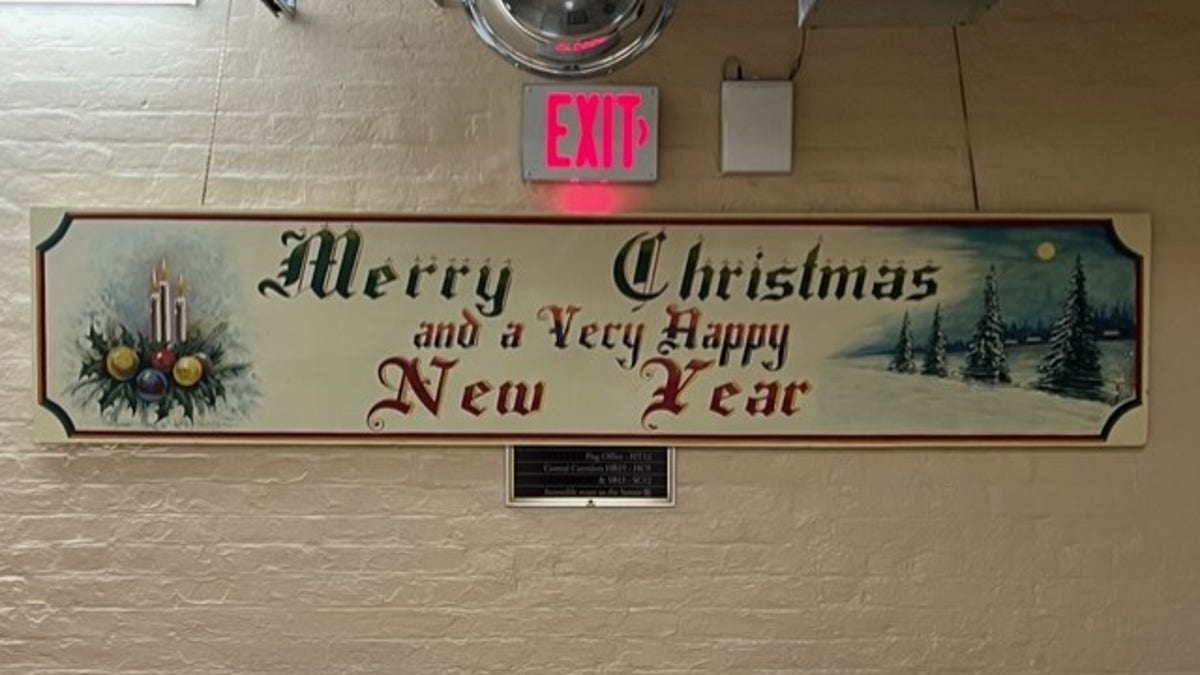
column 597, row 146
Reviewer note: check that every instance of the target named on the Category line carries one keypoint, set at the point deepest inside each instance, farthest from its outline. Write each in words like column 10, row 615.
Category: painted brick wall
column 291, row 560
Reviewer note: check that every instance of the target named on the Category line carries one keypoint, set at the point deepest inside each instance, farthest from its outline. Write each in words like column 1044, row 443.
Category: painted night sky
column 1033, row 266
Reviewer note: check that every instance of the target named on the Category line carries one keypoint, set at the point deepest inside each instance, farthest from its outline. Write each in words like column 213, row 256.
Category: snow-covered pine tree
column 935, row 351
column 902, row 357
column 1072, row 365
column 986, row 360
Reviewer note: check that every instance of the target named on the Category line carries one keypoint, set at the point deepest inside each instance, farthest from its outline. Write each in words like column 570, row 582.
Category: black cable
column 799, row 55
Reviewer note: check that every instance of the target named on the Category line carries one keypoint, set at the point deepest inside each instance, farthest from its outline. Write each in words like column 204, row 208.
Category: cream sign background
column 913, row 330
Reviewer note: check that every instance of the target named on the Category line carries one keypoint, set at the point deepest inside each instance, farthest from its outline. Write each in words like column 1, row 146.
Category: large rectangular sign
column 912, row 330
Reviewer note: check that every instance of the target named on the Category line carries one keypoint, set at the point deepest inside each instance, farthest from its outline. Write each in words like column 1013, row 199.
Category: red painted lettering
column 790, row 393
column 585, row 154
column 763, row 404
column 720, row 393
column 606, row 141
column 517, row 397
column 629, row 104
column 555, row 131
column 471, row 394
column 666, row 397
column 411, row 380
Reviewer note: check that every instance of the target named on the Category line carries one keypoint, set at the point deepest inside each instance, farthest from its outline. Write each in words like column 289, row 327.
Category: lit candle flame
column 180, row 287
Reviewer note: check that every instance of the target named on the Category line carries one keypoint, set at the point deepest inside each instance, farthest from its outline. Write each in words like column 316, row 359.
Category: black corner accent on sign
column 1117, row 414
column 57, row 235
column 63, row 418
column 1119, row 244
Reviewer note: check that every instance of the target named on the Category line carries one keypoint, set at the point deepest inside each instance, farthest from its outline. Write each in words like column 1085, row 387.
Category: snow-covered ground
column 859, row 395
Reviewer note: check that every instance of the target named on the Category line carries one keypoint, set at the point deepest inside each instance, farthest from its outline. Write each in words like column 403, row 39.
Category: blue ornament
column 151, row 385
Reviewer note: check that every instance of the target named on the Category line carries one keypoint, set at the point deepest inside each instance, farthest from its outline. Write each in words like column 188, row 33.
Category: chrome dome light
column 569, row 38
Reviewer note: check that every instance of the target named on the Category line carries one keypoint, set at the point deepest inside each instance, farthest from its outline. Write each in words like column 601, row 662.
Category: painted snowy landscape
column 1046, row 343
column 860, row 395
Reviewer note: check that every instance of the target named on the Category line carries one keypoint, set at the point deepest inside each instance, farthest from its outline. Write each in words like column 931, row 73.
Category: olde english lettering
column 637, row 276
column 327, row 265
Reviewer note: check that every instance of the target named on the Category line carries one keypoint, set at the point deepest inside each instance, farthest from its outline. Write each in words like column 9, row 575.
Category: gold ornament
column 187, row 371
column 122, row 363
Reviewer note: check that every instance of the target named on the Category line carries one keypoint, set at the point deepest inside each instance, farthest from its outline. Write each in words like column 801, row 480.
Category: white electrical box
column 756, row 126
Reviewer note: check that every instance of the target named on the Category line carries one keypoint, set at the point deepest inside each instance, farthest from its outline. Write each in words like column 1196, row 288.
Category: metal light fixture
column 569, row 38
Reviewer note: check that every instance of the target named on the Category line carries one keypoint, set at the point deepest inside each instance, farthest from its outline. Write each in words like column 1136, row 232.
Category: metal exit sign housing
column 588, row 133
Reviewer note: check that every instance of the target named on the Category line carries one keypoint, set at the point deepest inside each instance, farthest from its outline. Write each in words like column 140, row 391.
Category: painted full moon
column 1046, row 251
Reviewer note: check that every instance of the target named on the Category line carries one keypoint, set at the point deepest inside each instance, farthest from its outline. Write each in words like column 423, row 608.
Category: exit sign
column 589, row 133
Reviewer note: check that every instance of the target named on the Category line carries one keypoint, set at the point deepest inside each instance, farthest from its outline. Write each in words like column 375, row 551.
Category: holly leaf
column 185, row 400
column 205, row 390
column 91, row 382
column 131, row 398
column 143, row 346
column 164, row 407
column 232, row 370
column 97, row 341
column 112, row 390
column 218, row 331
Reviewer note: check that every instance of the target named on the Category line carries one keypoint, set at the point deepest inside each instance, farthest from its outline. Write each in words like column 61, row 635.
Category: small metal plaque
column 585, row 475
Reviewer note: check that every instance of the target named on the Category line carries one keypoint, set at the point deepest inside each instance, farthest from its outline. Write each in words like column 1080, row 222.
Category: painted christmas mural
column 177, row 364
column 757, row 331
column 1037, row 336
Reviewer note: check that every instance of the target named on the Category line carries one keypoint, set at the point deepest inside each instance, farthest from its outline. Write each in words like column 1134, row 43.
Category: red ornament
column 163, row 360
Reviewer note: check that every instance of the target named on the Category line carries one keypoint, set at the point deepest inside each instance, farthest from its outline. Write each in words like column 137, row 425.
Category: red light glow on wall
column 589, row 199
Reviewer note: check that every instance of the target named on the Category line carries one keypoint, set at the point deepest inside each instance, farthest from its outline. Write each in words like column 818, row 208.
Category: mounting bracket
column 278, row 7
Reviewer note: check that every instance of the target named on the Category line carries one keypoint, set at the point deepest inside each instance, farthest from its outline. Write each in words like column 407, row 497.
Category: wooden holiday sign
column 785, row 331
